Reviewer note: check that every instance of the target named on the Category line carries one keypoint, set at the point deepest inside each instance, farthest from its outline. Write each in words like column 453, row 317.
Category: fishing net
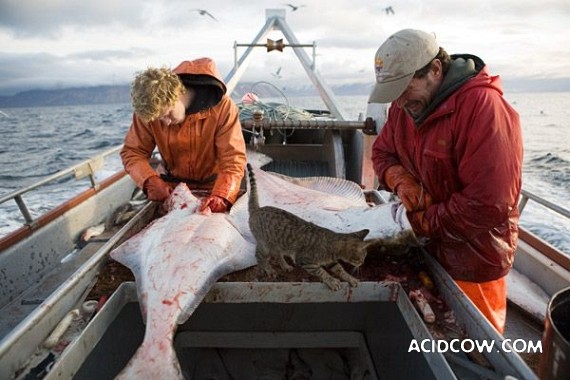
column 251, row 103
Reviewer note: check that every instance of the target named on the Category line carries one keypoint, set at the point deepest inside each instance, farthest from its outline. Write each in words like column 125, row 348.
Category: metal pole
column 23, row 209
column 314, row 55
column 235, row 55
column 284, row 45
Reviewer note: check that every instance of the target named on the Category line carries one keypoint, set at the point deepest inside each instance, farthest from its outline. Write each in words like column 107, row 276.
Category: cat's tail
column 253, row 198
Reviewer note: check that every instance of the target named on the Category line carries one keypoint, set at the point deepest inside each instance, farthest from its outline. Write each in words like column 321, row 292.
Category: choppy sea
column 40, row 141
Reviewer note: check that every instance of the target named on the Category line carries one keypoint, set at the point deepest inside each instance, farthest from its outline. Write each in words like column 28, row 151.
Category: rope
column 272, row 110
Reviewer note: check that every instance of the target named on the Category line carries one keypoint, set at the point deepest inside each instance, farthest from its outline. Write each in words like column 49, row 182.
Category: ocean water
column 40, row 141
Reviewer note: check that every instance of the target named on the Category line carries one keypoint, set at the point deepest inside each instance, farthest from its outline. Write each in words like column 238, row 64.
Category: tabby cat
column 279, row 233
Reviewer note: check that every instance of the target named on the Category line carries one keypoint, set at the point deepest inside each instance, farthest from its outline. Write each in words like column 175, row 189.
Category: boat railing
column 84, row 169
column 526, row 195
column 536, row 242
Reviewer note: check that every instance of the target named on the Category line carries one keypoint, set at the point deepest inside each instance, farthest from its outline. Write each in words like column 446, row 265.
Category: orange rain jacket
column 467, row 152
column 209, row 142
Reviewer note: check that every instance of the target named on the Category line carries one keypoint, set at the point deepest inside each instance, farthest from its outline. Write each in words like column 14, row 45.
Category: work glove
column 215, row 203
column 156, row 189
column 419, row 223
column 411, row 193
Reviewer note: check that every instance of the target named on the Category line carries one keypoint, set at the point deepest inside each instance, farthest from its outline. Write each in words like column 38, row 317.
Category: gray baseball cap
column 396, row 61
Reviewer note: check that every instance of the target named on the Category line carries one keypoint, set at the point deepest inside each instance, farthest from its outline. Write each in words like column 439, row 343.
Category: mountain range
column 121, row 93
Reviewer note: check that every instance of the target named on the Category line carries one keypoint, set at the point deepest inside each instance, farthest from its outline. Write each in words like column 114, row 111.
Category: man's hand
column 156, row 189
column 411, row 193
column 215, row 203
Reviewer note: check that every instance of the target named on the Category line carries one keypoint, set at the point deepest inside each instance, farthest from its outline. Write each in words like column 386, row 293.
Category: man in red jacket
column 452, row 150
column 186, row 113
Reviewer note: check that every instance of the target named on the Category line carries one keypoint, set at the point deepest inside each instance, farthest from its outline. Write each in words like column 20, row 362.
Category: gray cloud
column 41, row 18
column 46, row 18
column 111, row 55
column 92, row 42
column 20, row 72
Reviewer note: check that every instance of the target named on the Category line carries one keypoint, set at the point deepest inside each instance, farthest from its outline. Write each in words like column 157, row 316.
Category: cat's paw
column 267, row 272
column 353, row 282
column 287, row 268
column 333, row 284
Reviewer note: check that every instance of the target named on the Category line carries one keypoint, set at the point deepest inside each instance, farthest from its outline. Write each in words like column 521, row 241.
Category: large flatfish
column 175, row 260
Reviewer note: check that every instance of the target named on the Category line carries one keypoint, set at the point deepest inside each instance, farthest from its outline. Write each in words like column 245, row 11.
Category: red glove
column 410, row 192
column 156, row 189
column 419, row 223
column 215, row 203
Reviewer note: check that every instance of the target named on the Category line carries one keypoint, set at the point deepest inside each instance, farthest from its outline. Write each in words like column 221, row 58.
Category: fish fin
column 329, row 185
column 182, row 198
column 128, row 252
column 320, row 192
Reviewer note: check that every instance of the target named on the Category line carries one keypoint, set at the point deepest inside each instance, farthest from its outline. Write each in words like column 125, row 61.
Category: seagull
column 204, row 12
column 276, row 74
column 295, row 7
column 389, row 10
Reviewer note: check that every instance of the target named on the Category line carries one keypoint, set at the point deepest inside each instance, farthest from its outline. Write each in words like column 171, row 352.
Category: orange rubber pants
column 490, row 298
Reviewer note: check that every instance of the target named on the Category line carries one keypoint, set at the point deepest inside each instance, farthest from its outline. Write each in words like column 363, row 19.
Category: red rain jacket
column 208, row 142
column 468, row 155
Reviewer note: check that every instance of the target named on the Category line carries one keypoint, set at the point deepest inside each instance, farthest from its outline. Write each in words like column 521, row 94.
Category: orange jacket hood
column 200, row 68
column 209, row 142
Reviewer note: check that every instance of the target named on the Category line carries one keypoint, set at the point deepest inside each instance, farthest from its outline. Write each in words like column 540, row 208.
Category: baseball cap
column 396, row 61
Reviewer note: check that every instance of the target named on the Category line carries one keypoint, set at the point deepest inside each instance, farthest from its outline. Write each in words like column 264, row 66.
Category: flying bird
column 277, row 73
column 389, row 10
column 204, row 12
column 295, row 7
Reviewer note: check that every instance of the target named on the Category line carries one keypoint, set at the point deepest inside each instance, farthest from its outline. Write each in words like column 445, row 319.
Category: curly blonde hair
column 154, row 90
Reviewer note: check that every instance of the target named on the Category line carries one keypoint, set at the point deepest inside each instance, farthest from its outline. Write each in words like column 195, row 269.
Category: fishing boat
column 46, row 276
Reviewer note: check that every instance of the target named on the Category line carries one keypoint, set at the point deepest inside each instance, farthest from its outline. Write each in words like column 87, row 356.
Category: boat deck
column 521, row 325
column 23, row 305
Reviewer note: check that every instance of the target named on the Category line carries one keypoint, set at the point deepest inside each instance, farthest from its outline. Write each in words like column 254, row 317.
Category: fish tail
column 150, row 362
column 253, row 197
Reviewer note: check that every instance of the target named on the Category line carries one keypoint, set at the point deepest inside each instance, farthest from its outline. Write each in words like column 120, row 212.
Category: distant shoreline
column 121, row 93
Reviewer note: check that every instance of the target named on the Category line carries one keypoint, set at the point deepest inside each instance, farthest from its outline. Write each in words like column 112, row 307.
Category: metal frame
column 275, row 20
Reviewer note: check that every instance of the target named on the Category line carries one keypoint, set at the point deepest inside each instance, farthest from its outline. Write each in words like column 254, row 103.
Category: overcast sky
column 65, row 43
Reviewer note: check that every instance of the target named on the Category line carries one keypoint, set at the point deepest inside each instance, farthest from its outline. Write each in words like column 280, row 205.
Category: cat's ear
column 361, row 234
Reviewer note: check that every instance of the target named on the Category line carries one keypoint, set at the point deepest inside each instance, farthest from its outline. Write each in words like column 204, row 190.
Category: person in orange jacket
column 451, row 148
column 186, row 113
